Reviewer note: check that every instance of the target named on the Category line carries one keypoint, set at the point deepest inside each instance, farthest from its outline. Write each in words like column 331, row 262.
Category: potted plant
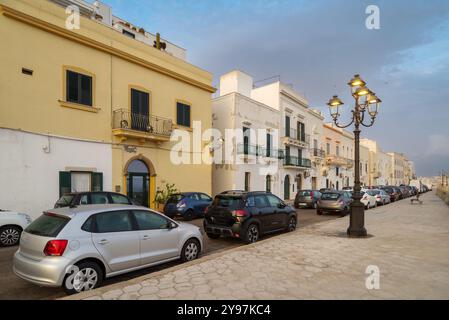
column 162, row 196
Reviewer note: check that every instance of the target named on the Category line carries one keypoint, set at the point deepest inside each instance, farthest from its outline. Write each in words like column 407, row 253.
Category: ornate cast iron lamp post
column 366, row 101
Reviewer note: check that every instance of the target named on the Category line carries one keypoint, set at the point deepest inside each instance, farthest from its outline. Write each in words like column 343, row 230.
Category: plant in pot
column 162, row 196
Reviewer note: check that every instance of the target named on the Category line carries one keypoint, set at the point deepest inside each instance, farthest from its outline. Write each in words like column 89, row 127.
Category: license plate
column 303, row 204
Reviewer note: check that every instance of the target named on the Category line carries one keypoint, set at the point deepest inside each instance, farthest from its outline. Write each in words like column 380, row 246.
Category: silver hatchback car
column 77, row 248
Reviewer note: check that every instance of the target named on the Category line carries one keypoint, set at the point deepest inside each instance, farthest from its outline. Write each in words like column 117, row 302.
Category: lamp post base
column 357, row 221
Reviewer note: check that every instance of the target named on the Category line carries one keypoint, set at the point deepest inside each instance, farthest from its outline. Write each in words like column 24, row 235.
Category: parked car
column 382, row 198
column 334, row 202
column 307, row 198
column 87, row 198
column 368, row 198
column 404, row 191
column 248, row 216
column 11, row 226
column 399, row 192
column 188, row 205
column 77, row 248
column 394, row 196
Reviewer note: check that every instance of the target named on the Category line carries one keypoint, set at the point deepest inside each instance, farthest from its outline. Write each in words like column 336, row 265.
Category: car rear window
column 389, row 190
column 175, row 198
column 330, row 196
column 232, row 203
column 47, row 225
column 304, row 193
column 65, row 200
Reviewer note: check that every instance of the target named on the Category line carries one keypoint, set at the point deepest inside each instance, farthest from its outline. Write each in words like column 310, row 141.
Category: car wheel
column 319, row 212
column 291, row 224
column 213, row 235
column 189, row 215
column 252, row 234
column 9, row 236
column 191, row 250
column 86, row 276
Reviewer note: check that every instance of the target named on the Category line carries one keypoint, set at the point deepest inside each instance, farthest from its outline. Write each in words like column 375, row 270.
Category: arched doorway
column 138, row 182
column 287, row 187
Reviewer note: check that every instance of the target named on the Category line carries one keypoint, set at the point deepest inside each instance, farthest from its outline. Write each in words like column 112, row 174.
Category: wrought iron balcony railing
column 253, row 150
column 151, row 126
column 298, row 136
column 297, row 162
column 319, row 153
column 333, row 159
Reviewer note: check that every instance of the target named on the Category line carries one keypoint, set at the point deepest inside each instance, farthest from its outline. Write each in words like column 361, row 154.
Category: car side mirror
column 281, row 205
column 172, row 225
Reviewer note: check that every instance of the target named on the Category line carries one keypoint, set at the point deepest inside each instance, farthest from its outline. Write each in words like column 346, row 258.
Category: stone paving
column 408, row 243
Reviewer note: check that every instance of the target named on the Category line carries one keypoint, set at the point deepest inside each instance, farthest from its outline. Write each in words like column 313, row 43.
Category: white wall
column 29, row 177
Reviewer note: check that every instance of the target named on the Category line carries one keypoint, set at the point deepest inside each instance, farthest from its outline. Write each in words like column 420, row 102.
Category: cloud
column 438, row 146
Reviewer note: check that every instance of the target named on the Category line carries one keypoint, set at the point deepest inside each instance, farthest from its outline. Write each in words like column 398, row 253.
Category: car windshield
column 232, row 203
column 175, row 198
column 47, row 225
column 330, row 196
column 65, row 200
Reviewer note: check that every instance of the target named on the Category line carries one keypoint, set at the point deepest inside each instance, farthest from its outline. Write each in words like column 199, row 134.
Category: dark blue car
column 188, row 205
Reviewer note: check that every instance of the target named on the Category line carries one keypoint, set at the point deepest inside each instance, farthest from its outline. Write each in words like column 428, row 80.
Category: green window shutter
column 97, row 181
column 65, row 183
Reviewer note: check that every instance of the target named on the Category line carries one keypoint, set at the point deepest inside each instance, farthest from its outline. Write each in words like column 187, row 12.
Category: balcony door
column 140, row 110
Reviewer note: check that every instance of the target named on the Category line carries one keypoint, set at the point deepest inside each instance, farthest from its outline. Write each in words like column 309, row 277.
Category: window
column 337, row 170
column 204, row 197
column 261, row 201
column 47, row 225
column 79, row 182
column 337, row 150
column 193, row 196
column 268, row 183
column 247, row 181
column 269, row 144
column 84, row 199
column 273, row 200
column 183, row 114
column 287, row 126
column 129, row 34
column 119, row 199
column 78, row 88
column 99, row 198
column 328, row 148
column 150, row 221
column 115, row 221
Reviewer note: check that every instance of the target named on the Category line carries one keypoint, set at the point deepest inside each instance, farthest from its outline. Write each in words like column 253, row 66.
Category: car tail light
column 340, row 202
column 311, row 194
column 240, row 213
column 55, row 248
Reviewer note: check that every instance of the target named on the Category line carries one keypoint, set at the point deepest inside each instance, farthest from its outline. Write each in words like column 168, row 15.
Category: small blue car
column 188, row 205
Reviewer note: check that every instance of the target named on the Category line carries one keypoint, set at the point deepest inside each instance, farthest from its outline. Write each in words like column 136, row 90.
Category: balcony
column 317, row 153
column 295, row 138
column 253, row 150
column 338, row 161
column 127, row 124
column 296, row 162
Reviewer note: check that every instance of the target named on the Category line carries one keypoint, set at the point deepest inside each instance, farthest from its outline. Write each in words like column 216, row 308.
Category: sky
column 317, row 46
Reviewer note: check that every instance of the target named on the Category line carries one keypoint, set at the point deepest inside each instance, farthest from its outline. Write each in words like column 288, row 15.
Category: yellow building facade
column 98, row 87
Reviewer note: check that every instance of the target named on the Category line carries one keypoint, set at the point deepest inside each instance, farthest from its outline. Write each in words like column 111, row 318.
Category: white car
column 368, row 199
column 11, row 226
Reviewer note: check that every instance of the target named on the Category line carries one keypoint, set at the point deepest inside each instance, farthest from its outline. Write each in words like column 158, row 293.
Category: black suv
column 85, row 198
column 247, row 215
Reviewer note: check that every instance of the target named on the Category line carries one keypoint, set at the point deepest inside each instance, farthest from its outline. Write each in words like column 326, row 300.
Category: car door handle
column 103, row 242
column 146, row 238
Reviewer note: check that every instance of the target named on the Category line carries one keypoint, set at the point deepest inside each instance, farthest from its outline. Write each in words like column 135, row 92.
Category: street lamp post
column 366, row 101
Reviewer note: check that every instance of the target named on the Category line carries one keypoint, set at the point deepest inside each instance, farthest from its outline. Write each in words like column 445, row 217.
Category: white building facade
column 254, row 149
column 32, row 166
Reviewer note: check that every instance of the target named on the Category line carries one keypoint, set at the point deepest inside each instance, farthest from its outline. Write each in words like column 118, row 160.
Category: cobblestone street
column 408, row 243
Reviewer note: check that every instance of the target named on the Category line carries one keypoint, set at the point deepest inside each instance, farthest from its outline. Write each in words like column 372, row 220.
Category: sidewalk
column 409, row 244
